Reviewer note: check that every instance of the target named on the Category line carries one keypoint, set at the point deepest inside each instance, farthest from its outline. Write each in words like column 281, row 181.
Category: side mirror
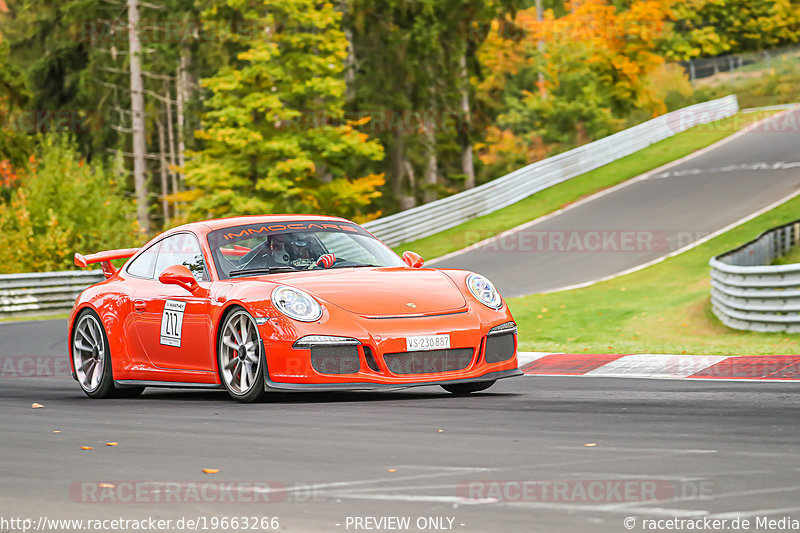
column 413, row 260
column 181, row 276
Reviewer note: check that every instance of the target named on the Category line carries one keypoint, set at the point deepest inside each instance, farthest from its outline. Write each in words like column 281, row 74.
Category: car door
column 173, row 326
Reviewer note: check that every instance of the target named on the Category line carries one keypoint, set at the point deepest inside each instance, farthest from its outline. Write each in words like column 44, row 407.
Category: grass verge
column 791, row 257
column 662, row 309
column 62, row 316
column 563, row 194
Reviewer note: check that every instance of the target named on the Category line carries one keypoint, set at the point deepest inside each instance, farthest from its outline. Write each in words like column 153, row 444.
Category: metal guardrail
column 43, row 293
column 446, row 213
column 749, row 292
column 706, row 67
column 55, row 292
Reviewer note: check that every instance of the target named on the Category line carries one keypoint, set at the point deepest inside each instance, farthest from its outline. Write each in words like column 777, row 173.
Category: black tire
column 235, row 365
column 468, row 388
column 88, row 332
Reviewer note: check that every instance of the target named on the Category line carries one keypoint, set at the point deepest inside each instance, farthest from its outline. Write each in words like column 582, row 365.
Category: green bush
column 62, row 205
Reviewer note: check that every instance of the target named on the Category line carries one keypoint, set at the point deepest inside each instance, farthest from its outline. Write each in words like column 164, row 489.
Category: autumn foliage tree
column 699, row 28
column 275, row 136
column 62, row 205
column 596, row 61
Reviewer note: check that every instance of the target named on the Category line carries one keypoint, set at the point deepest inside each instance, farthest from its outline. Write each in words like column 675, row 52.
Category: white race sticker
column 172, row 323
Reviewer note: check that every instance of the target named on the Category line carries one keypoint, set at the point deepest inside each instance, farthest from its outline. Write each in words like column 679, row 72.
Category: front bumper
column 379, row 361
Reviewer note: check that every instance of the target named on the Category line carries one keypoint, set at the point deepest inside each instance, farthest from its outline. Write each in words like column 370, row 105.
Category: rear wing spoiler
column 105, row 258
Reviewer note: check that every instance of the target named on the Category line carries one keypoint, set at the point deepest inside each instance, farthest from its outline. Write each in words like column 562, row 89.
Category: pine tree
column 275, row 136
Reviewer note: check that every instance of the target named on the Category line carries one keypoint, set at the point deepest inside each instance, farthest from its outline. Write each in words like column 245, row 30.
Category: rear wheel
column 239, row 357
column 468, row 388
column 92, row 359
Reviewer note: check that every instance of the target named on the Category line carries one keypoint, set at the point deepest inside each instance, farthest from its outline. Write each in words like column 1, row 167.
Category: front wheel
column 239, row 357
column 468, row 388
column 91, row 356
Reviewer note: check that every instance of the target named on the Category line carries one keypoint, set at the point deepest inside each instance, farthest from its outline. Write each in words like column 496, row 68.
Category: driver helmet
column 277, row 247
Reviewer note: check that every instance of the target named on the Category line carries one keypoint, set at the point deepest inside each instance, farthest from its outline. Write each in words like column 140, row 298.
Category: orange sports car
column 290, row 302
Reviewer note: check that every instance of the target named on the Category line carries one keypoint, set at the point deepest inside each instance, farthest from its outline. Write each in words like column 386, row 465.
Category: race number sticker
column 172, row 323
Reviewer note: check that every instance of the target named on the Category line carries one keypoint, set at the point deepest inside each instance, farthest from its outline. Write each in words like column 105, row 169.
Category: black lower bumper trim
column 361, row 386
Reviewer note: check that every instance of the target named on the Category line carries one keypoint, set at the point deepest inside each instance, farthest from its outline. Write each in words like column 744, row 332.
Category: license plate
column 427, row 342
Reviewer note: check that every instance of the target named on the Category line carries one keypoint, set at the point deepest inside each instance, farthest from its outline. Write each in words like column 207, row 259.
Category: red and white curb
column 663, row 366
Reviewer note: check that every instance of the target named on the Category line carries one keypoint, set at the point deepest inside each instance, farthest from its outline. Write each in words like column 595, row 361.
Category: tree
column 415, row 64
column 714, row 27
column 14, row 95
column 62, row 205
column 596, row 63
column 275, row 136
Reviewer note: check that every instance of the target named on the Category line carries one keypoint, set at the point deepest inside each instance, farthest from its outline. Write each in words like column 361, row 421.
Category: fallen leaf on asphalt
column 210, row 470
column 112, row 443
column 86, row 448
column 36, row 406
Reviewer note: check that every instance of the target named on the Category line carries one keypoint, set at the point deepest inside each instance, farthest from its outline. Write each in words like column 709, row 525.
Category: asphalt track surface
column 703, row 449
column 646, row 219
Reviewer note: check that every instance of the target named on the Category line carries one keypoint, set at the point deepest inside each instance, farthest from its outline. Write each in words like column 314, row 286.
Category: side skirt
column 124, row 383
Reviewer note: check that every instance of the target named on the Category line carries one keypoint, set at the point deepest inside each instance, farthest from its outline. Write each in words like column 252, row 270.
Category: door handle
column 139, row 305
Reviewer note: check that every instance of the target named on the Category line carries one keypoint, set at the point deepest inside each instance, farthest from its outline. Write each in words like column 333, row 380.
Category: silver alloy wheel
column 240, row 359
column 89, row 352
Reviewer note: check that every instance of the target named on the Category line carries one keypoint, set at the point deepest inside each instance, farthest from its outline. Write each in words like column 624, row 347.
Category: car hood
column 382, row 291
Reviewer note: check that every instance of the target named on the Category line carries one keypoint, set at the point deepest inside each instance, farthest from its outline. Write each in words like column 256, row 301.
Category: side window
column 144, row 266
column 182, row 249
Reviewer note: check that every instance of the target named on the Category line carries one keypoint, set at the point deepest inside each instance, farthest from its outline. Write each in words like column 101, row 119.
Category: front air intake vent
column 335, row 359
column 428, row 362
column 499, row 347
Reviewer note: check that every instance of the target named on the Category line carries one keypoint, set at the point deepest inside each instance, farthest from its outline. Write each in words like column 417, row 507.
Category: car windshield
column 268, row 248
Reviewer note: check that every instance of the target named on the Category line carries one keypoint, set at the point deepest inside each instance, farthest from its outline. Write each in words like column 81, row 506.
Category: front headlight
column 482, row 289
column 296, row 304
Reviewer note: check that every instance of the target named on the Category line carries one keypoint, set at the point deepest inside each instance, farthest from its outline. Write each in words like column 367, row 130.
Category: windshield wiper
column 264, row 270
